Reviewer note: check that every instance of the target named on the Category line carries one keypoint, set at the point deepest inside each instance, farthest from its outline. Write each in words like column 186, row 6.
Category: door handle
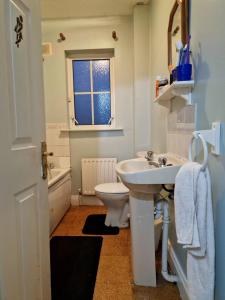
column 44, row 160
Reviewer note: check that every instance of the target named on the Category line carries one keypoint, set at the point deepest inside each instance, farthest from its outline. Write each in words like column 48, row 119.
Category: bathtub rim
column 62, row 174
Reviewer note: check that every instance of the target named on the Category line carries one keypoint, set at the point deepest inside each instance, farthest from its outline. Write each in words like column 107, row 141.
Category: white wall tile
column 58, row 151
column 58, row 143
column 51, row 125
column 180, row 127
column 178, row 143
column 64, row 162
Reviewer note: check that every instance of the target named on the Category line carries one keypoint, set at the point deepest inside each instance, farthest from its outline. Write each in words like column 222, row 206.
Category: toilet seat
column 112, row 188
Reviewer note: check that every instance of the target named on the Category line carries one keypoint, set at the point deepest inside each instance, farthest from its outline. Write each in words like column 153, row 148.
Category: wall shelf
column 182, row 89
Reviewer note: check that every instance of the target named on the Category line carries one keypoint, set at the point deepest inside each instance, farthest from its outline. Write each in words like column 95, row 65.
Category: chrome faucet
column 149, row 155
column 50, row 166
column 162, row 160
column 149, row 158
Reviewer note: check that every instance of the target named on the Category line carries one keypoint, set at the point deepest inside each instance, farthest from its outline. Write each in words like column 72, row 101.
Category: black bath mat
column 95, row 224
column 74, row 265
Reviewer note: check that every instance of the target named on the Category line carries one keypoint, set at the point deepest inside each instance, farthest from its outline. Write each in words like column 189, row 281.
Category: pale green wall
column 142, row 112
column 159, row 16
column 92, row 34
column 208, row 46
column 132, row 100
column 159, row 12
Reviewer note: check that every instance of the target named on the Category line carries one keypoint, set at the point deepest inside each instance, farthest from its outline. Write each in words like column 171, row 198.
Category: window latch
column 74, row 120
column 110, row 120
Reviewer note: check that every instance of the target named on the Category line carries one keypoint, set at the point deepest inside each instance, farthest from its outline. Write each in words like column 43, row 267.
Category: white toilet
column 115, row 197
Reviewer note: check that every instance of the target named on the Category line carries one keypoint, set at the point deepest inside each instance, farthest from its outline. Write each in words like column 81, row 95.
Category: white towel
column 195, row 228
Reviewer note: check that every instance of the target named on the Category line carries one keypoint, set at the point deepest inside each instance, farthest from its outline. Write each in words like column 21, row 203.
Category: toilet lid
column 112, row 188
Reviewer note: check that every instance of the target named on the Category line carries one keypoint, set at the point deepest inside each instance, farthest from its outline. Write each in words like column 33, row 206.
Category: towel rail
column 197, row 135
column 212, row 137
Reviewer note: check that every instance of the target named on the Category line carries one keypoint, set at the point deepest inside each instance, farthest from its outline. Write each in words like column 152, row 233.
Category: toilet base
column 115, row 196
column 124, row 225
column 116, row 217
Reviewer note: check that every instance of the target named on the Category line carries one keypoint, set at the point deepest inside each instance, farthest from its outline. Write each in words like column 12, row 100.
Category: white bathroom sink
column 139, row 176
column 145, row 180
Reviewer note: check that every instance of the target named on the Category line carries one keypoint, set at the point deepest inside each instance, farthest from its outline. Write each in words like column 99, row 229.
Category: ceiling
column 64, row 9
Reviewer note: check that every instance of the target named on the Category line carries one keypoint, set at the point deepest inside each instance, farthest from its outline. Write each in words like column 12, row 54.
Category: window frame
column 70, row 95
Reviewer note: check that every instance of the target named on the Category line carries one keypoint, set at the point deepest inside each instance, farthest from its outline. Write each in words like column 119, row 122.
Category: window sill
column 91, row 129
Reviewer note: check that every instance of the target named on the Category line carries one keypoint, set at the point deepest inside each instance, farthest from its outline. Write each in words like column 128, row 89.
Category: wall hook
column 114, row 36
column 61, row 37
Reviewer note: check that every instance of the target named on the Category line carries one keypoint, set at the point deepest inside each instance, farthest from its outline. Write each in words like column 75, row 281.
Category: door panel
column 24, row 216
column 20, row 81
column 28, row 243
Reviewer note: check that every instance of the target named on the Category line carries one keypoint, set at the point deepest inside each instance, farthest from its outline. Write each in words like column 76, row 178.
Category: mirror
column 178, row 29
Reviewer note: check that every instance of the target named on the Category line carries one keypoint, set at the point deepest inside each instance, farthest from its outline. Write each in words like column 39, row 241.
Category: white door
column 24, row 227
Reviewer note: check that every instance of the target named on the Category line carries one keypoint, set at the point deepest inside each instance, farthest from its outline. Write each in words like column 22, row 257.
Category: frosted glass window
column 101, row 75
column 81, row 76
column 83, row 112
column 92, row 92
column 102, row 108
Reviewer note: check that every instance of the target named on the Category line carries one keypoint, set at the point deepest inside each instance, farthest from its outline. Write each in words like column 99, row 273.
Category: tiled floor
column 114, row 278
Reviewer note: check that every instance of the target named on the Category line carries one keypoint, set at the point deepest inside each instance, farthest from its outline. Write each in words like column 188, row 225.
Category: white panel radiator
column 96, row 171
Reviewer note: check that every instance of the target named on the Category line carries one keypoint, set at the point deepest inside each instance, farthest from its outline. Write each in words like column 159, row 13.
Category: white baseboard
column 90, row 200
column 176, row 267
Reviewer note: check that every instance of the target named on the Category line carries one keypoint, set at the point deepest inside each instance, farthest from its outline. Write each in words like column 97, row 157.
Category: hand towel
column 195, row 228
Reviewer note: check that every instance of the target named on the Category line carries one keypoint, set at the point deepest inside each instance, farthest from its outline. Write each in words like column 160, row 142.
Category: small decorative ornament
column 19, row 30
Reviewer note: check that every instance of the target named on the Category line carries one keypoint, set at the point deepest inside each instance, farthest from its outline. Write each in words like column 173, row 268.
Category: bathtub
column 59, row 195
